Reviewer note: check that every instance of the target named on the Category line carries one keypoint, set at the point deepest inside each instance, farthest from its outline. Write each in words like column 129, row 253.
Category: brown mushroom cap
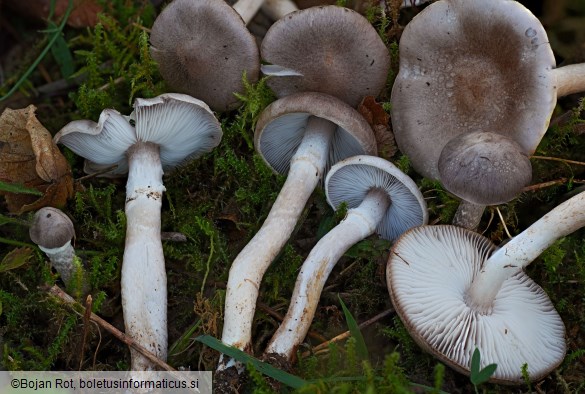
column 336, row 50
column 471, row 65
column 281, row 127
column 51, row 228
column 484, row 168
column 203, row 49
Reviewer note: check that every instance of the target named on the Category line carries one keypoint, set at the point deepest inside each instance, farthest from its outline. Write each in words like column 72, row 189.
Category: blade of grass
column 265, row 368
column 184, row 340
column 18, row 189
column 60, row 50
column 361, row 348
column 46, row 50
column 15, row 258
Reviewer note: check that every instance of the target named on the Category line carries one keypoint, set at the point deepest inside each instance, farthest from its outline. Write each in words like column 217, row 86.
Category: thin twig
column 542, row 185
column 489, row 221
column 346, row 334
column 57, row 292
column 97, row 173
column 86, row 320
column 503, row 222
column 97, row 347
column 579, row 163
column 268, row 310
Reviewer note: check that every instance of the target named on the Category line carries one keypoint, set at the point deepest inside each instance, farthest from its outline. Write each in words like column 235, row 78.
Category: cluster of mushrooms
column 473, row 97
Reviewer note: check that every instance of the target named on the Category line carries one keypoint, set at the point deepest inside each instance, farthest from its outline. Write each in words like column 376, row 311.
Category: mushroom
column 456, row 291
column 203, row 49
column 301, row 135
column 306, row 53
column 169, row 130
column 52, row 231
column 277, row 9
column 380, row 199
column 482, row 168
column 412, row 3
column 470, row 65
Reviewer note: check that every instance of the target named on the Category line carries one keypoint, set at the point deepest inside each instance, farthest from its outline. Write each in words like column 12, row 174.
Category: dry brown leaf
column 380, row 123
column 29, row 157
column 84, row 13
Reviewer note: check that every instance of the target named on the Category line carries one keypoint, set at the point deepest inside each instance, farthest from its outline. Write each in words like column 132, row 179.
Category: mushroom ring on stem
column 169, row 130
column 382, row 200
column 203, row 49
column 300, row 135
column 306, row 54
column 456, row 291
column 475, row 65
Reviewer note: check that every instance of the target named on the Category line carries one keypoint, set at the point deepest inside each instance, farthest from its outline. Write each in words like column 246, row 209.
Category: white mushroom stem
column 247, row 9
column 276, row 9
column 62, row 260
column 570, row 79
column 359, row 223
column 413, row 3
column 143, row 279
column 525, row 248
column 306, row 169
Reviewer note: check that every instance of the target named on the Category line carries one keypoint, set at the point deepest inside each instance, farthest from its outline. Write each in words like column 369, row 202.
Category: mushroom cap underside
column 429, row 272
column 183, row 127
column 350, row 181
column 471, row 65
column 281, row 127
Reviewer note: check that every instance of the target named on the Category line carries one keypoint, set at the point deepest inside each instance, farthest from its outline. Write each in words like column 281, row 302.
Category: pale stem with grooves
column 570, row 79
column 62, row 260
column 525, row 248
column 359, row 223
column 306, row 169
column 143, row 277
column 276, row 9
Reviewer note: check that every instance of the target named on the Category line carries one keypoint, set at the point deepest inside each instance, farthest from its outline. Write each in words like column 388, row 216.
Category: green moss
column 219, row 201
column 116, row 63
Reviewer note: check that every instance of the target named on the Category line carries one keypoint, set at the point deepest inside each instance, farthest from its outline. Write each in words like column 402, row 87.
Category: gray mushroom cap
column 430, row 271
column 336, row 50
column 281, row 127
column 203, row 48
column 350, row 181
column 183, row 127
column 471, row 65
column 484, row 168
column 51, row 228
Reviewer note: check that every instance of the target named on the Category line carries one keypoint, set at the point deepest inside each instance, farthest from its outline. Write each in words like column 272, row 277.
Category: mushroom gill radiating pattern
column 429, row 273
